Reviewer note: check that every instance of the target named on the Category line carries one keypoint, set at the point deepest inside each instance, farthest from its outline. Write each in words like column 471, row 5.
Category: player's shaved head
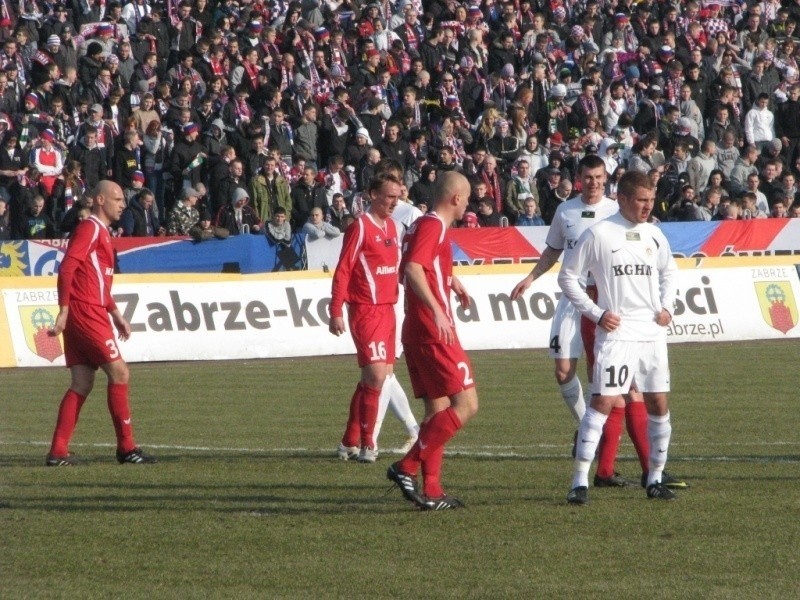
column 450, row 195
column 106, row 188
column 109, row 201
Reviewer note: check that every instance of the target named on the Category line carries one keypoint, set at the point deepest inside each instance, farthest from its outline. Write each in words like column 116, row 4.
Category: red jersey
column 368, row 265
column 427, row 244
column 87, row 270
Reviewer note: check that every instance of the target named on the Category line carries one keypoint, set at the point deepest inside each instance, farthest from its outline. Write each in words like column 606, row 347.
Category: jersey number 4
column 554, row 345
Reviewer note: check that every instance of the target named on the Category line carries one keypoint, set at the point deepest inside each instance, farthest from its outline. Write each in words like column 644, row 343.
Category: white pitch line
column 477, row 451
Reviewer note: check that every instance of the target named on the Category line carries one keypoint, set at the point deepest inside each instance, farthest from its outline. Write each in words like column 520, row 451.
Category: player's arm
column 77, row 252
column 546, row 261
column 667, row 282
column 341, row 277
column 577, row 264
column 460, row 291
column 122, row 325
column 416, row 280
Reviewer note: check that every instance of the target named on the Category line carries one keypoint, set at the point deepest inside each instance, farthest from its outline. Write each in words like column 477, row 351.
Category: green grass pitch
column 248, row 500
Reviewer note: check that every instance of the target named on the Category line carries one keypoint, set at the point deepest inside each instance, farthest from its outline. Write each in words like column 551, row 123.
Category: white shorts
column 565, row 331
column 620, row 364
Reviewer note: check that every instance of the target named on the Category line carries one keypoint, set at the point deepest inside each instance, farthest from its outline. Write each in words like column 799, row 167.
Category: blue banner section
column 237, row 254
column 686, row 239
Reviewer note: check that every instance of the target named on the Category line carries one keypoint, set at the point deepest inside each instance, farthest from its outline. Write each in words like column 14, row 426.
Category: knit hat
column 372, row 52
column 190, row 128
column 190, row 192
column 507, row 70
column 32, row 98
column 105, row 28
column 255, row 26
column 48, row 135
column 321, row 33
column 470, row 218
column 577, row 31
column 96, row 108
column 632, row 72
column 466, row 63
column 54, row 40
column 337, row 71
column 556, row 139
column 137, row 176
column 361, row 131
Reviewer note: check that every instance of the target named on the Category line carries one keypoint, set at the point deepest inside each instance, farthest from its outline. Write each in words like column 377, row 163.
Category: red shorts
column 438, row 370
column 88, row 337
column 373, row 328
column 588, row 328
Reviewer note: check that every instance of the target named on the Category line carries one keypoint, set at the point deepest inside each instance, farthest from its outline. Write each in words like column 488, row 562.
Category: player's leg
column 373, row 378
column 636, row 425
column 401, row 408
column 68, row 413
column 653, row 369
column 351, row 440
column 119, row 407
column 566, row 346
column 612, row 377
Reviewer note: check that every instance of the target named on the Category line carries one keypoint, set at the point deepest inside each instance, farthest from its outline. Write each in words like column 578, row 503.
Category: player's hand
column 447, row 334
column 336, row 326
column 520, row 288
column 123, row 327
column 663, row 318
column 609, row 321
column 60, row 324
column 461, row 293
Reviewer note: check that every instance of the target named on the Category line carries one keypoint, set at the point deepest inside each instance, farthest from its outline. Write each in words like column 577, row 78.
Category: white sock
column 383, row 404
column 659, row 432
column 589, row 434
column 572, row 392
column 400, row 406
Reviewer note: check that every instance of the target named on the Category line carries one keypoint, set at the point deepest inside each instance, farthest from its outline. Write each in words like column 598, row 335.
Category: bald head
column 109, row 202
column 450, row 195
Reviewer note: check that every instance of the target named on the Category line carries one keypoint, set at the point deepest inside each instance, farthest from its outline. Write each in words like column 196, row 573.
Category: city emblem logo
column 778, row 306
column 36, row 322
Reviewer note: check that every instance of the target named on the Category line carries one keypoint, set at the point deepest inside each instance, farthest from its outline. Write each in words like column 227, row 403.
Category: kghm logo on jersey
column 778, row 306
column 621, row 270
column 36, row 322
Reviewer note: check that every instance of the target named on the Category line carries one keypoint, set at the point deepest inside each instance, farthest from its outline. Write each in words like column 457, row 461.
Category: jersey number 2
column 462, row 366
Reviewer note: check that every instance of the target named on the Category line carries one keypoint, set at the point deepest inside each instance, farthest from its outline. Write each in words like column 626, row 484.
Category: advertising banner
column 213, row 317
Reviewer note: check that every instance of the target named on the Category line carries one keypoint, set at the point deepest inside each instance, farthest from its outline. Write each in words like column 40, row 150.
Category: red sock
column 433, row 435
column 121, row 416
column 431, row 474
column 369, row 414
column 636, row 424
column 609, row 443
column 67, row 419
column 352, row 432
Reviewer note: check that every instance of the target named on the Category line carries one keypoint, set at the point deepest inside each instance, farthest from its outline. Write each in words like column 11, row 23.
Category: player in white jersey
column 571, row 219
column 635, row 275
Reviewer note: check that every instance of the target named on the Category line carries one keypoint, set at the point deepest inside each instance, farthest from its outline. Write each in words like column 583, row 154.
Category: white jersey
column 404, row 214
column 572, row 218
column 635, row 276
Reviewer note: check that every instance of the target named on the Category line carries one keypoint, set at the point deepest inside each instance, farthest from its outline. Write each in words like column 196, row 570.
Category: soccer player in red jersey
column 366, row 278
column 84, row 297
column 440, row 371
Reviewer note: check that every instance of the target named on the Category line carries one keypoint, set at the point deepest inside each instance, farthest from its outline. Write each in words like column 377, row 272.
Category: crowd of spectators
column 268, row 116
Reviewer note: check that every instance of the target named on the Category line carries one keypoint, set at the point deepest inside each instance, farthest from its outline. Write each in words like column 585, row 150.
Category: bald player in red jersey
column 84, row 298
column 441, row 373
column 366, row 278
